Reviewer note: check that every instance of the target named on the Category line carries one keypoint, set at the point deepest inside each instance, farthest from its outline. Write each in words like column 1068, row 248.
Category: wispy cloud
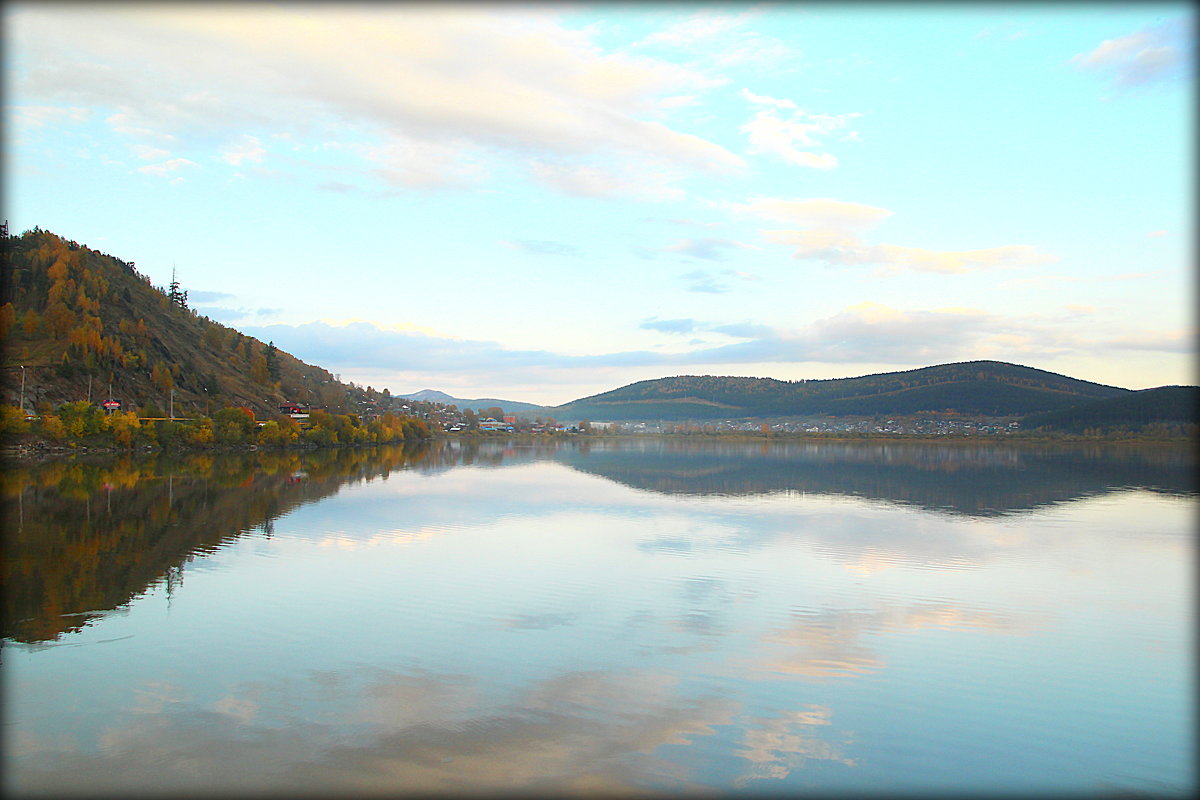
column 701, row 27
column 839, row 249
column 245, row 148
column 228, row 315
column 40, row 116
column 1143, row 57
column 203, row 296
column 147, row 153
column 764, row 100
column 703, row 281
column 462, row 83
column 793, row 138
column 727, row 38
column 168, row 169
column 828, row 231
column 1179, row 341
column 607, row 181
column 680, row 326
column 711, row 249
column 816, row 212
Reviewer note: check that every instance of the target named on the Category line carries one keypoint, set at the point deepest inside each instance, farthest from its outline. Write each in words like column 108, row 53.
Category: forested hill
column 75, row 317
column 1146, row 409
column 985, row 388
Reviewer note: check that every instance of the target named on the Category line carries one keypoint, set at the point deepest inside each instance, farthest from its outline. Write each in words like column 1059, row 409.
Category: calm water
column 647, row 615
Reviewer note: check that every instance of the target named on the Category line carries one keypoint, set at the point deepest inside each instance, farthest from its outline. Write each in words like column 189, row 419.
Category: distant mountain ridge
column 969, row 388
column 434, row 396
column 980, row 388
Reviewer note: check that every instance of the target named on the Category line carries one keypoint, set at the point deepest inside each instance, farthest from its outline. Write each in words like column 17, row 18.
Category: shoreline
column 45, row 450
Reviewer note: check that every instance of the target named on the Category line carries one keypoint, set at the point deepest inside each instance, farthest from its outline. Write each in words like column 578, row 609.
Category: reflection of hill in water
column 84, row 538
column 972, row 479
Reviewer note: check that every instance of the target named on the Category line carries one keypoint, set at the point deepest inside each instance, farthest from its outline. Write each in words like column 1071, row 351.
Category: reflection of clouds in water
column 777, row 746
column 581, row 731
column 828, row 644
column 865, row 536
column 537, row 622
column 240, row 708
column 156, row 696
column 345, row 541
column 558, row 735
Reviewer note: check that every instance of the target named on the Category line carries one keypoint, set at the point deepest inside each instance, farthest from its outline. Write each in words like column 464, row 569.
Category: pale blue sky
column 540, row 203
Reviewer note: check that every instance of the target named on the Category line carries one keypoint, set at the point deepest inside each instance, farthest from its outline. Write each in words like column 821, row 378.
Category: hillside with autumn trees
column 79, row 326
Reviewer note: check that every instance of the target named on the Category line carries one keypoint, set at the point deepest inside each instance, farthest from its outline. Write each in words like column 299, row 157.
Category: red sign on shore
column 110, row 405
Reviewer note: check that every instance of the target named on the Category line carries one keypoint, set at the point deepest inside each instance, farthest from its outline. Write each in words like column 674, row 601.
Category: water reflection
column 600, row 617
column 83, row 537
column 964, row 478
column 385, row 731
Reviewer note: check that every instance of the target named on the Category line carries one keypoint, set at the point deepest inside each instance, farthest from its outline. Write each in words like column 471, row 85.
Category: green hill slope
column 1163, row 407
column 79, row 320
column 985, row 388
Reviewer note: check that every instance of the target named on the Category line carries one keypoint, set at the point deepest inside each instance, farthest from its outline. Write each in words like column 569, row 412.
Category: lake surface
column 603, row 616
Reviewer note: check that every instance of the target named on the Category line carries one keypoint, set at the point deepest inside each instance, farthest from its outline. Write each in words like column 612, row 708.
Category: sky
column 544, row 202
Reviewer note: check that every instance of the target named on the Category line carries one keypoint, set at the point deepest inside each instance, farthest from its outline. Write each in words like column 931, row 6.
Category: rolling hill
column 1136, row 411
column 981, row 388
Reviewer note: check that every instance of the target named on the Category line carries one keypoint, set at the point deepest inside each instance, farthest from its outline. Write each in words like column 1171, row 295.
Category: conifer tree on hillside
column 174, row 295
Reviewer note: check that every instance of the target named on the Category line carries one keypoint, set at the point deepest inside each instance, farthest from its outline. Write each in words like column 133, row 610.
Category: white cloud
column 1177, row 341
column 726, row 40
column 412, row 162
column 124, row 123
column 844, row 249
column 816, row 212
column 246, row 148
column 763, row 100
column 680, row 326
column 772, row 134
column 40, row 116
column 488, row 80
column 167, row 169
column 702, row 26
column 585, row 180
column 828, row 230
column 147, row 153
column 1146, row 56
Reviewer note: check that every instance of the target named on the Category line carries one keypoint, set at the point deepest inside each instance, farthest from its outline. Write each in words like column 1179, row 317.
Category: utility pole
column 22, row 388
column 171, row 413
column 89, row 388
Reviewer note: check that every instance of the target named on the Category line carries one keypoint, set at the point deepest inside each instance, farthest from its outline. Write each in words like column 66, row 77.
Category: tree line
column 79, row 422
